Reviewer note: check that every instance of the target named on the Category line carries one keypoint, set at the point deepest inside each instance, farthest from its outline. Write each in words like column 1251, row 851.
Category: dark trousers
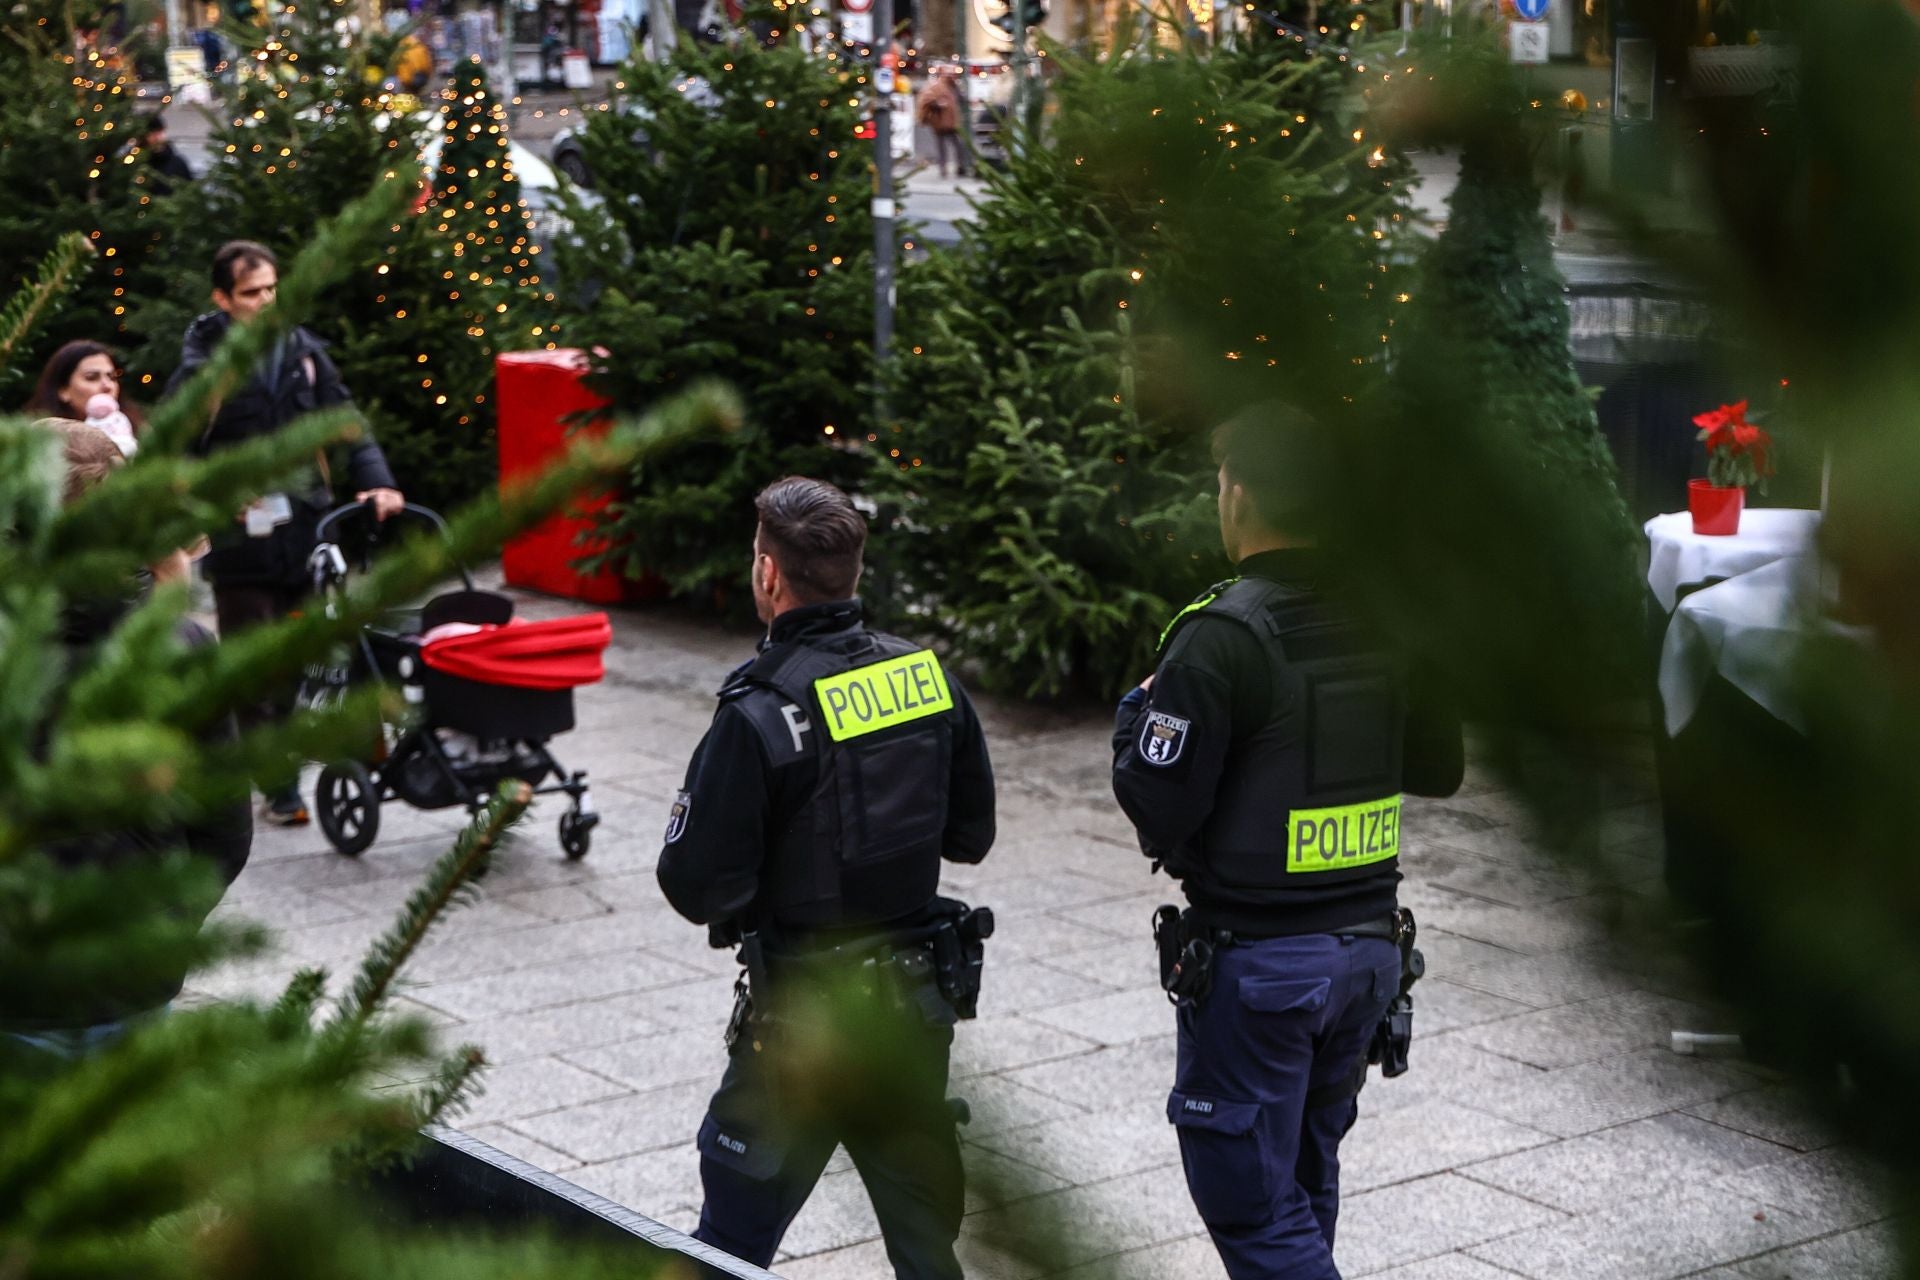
column 1286, row 1017
column 949, row 142
column 241, row 606
column 879, row 1089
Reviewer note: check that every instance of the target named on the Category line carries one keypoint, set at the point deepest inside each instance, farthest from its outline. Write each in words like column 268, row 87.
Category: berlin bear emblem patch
column 1162, row 737
column 677, row 816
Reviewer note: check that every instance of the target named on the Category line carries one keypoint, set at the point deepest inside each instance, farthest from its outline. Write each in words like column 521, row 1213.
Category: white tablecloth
column 1680, row 556
column 1749, row 630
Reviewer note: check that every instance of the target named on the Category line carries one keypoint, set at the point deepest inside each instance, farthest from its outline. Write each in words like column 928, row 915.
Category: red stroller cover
column 561, row 653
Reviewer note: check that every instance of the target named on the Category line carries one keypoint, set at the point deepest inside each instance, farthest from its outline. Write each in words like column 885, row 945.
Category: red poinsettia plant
column 1739, row 452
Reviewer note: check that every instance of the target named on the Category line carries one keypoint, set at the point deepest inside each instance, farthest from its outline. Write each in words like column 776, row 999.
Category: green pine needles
column 452, row 279
column 1180, row 245
column 72, row 163
column 729, row 235
column 1495, row 440
column 228, row 1140
column 38, row 300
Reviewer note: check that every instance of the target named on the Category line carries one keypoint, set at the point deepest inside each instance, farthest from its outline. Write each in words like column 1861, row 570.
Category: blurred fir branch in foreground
column 229, row 1140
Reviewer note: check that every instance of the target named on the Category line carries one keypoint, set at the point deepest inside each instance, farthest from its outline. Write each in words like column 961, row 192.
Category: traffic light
column 1031, row 13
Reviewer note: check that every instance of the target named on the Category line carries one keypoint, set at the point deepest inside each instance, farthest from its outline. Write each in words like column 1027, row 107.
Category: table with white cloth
column 1747, row 630
column 1739, row 750
column 1679, row 558
column 1727, row 617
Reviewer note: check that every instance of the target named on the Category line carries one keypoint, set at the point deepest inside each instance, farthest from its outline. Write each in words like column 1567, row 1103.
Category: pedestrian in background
column 73, row 375
column 842, row 765
column 939, row 110
column 168, row 165
column 1262, row 764
column 213, row 58
column 412, row 64
column 553, row 47
column 258, row 566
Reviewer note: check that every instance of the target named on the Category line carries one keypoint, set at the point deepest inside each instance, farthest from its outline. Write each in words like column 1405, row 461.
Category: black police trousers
column 872, row 1079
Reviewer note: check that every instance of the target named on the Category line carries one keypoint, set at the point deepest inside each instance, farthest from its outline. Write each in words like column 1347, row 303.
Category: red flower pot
column 1715, row 510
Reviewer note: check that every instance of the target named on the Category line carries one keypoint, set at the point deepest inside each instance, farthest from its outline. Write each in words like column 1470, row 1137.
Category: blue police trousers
column 1285, row 1017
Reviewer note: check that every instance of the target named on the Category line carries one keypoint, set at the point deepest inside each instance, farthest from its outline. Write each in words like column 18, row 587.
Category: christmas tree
column 473, row 189
column 462, row 283
column 1486, row 352
column 415, row 328
column 1335, row 64
column 301, row 121
column 72, row 162
column 733, row 239
column 229, row 1140
column 1129, row 284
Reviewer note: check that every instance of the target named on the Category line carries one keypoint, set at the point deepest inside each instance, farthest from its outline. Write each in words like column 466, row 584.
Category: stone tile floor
column 1545, row 1130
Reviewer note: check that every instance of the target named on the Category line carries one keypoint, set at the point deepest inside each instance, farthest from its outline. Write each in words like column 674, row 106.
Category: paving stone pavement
column 1545, row 1130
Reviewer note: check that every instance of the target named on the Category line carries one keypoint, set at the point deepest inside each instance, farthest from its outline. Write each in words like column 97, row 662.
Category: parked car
column 534, row 177
column 569, row 156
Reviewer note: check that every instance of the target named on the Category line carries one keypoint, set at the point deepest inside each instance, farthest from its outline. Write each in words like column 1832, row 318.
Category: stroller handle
column 348, row 514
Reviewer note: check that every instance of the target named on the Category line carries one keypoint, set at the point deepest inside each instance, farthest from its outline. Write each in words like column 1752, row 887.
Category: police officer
column 842, row 765
column 1262, row 764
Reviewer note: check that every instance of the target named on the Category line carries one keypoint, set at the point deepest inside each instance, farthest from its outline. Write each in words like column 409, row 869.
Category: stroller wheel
column 348, row 806
column 576, row 833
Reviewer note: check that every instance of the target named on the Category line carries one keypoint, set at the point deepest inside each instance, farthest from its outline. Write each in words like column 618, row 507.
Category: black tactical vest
column 1309, row 804
column 877, row 715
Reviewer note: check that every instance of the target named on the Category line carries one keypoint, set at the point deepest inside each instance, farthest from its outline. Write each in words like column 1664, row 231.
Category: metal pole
column 1017, row 100
column 962, row 9
column 883, row 247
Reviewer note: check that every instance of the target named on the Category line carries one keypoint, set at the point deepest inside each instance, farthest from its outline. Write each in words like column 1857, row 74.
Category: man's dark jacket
column 303, row 378
column 169, row 167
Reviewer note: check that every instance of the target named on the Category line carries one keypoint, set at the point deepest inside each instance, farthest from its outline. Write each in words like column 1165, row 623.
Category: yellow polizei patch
column 883, row 694
column 1348, row 835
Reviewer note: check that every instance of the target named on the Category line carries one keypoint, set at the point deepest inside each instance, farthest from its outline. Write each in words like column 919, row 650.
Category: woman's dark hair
column 54, row 378
column 815, row 534
column 237, row 256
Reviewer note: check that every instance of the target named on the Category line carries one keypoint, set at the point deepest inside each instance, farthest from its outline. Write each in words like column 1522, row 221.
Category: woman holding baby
column 78, row 395
column 81, row 383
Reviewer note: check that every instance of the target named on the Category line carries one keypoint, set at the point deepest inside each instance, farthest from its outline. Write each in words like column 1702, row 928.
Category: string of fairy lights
column 471, row 197
column 96, row 82
column 475, row 201
column 474, row 198
column 1297, row 129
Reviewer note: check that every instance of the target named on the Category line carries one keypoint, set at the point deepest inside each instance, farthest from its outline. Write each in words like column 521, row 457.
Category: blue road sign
column 1530, row 10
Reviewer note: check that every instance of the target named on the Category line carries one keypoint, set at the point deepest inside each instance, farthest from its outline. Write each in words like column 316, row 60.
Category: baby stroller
column 484, row 694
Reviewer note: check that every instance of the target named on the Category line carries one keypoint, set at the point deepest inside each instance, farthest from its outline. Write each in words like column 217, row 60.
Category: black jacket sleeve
column 196, row 345
column 711, row 862
column 1211, row 677
column 366, row 462
column 970, row 816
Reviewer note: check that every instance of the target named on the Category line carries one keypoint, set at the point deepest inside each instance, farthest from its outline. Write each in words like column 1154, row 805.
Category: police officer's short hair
column 236, row 257
column 815, row 534
column 1277, row 454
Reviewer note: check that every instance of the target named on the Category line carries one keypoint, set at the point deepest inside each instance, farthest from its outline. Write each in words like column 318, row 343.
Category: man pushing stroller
column 258, row 566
